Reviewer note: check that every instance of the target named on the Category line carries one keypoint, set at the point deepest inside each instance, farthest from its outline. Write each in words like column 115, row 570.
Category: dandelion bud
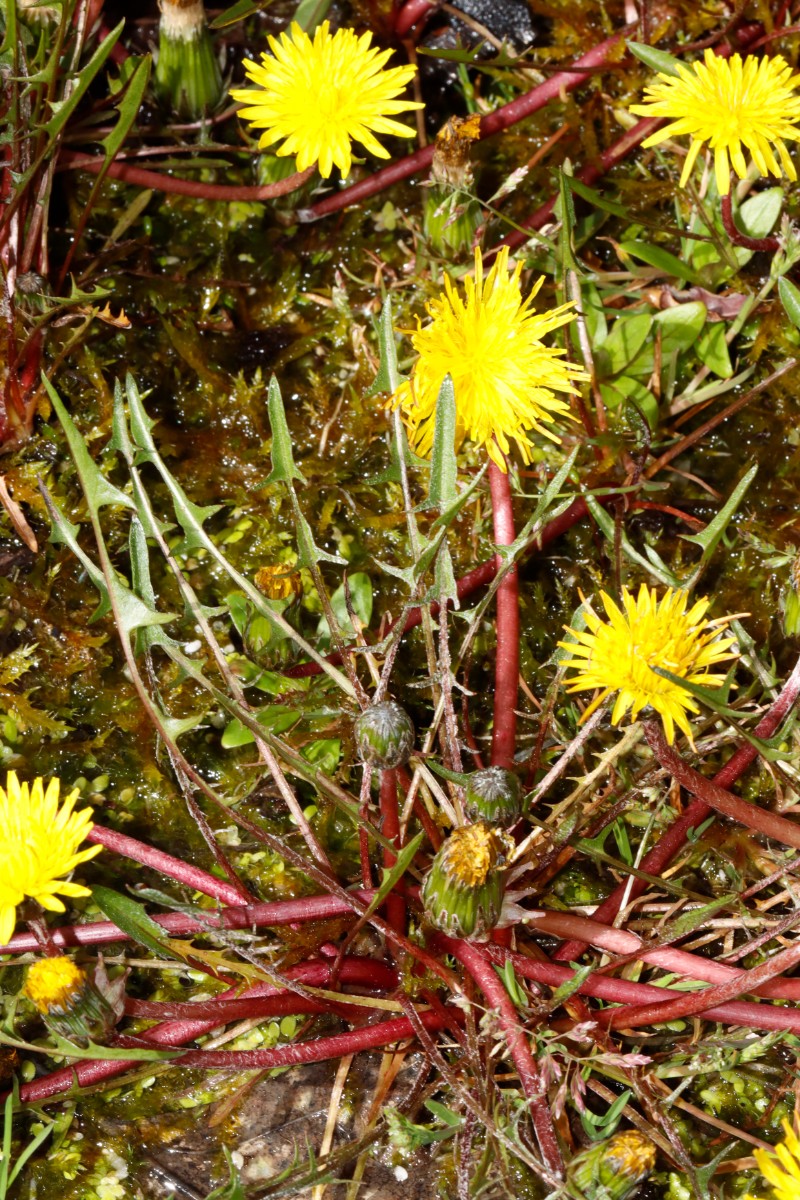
column 384, row 735
column 463, row 891
column 68, row 1000
column 187, row 77
column 493, row 795
column 612, row 1169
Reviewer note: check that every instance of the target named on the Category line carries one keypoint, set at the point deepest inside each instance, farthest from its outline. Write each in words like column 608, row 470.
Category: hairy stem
column 484, row 974
column 94, row 163
column 504, row 734
column 623, row 991
column 175, row 868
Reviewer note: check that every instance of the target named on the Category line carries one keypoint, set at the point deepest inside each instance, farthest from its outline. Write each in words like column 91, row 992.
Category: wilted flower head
column 735, row 105
column 319, row 97
column 612, row 1169
column 489, row 341
column 619, row 655
column 39, row 842
column 463, row 890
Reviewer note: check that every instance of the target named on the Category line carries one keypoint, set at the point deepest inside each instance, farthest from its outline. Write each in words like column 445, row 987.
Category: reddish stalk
column 175, row 868
column 320, row 908
column 686, row 1006
column 390, row 828
column 411, row 12
column 674, row 839
column 502, row 118
column 368, row 1037
column 623, row 991
column 738, row 237
column 266, row 999
column 89, row 1072
column 256, row 916
column 760, row 820
column 94, row 164
column 615, row 153
column 484, row 974
column 504, row 733
column 680, row 962
column 243, row 1009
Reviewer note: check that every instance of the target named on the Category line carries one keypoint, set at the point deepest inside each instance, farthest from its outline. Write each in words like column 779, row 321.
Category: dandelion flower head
column 320, row 96
column 734, row 105
column 618, row 655
column 54, row 984
column 489, row 341
column 781, row 1169
column 39, row 840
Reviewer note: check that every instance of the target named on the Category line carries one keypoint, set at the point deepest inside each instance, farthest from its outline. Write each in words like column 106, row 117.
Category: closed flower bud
column 187, row 75
column 384, row 735
column 463, row 891
column 612, row 1169
column 70, row 1003
column 493, row 795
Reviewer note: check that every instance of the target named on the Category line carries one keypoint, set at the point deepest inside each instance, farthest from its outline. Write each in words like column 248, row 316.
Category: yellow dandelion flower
column 782, row 1168
column 54, row 984
column 321, row 96
column 734, row 105
column 490, row 343
column 618, row 655
column 39, row 842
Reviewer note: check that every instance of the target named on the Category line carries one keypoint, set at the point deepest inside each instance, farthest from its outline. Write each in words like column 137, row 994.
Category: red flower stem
column 480, row 968
column 409, row 14
column 242, row 1009
column 390, row 828
column 737, row 236
column 255, row 916
column 502, row 118
column 629, row 945
column 760, row 820
column 368, row 1037
column 698, row 811
column 266, row 999
column 623, row 991
column 89, row 1072
column 615, row 153
column 95, row 163
column 193, row 877
column 504, row 733
column 686, row 1006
